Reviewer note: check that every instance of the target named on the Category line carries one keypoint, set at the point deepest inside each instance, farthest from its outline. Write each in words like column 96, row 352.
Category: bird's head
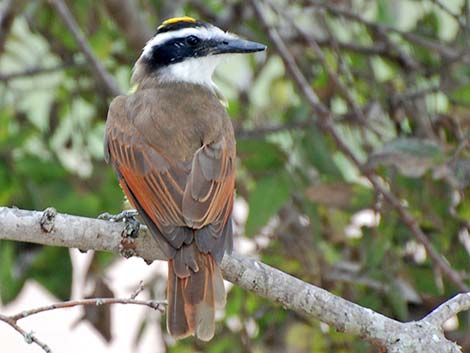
column 187, row 50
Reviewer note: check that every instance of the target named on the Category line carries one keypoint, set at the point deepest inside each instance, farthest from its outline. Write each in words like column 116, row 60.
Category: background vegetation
column 395, row 78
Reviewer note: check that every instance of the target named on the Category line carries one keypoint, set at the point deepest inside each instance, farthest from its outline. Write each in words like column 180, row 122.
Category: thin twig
column 378, row 48
column 343, row 90
column 326, row 124
column 8, row 11
column 445, row 51
column 261, row 131
column 29, row 337
column 154, row 304
column 128, row 17
column 467, row 21
column 292, row 293
column 448, row 11
column 32, row 71
column 98, row 69
column 138, row 290
column 415, row 93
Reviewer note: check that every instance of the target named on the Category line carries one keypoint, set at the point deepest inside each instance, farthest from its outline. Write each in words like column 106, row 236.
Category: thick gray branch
column 325, row 123
column 71, row 232
column 51, row 228
column 455, row 305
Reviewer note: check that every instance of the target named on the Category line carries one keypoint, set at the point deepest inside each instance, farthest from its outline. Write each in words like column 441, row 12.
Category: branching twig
column 292, row 293
column 265, row 130
column 325, row 123
column 138, row 290
column 31, row 338
column 33, row 71
column 129, row 20
column 105, row 78
column 8, row 12
column 445, row 51
column 455, row 305
column 343, row 90
column 448, row 11
column 156, row 305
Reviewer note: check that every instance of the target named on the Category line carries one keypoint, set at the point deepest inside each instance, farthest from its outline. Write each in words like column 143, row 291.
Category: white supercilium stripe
column 201, row 32
column 192, row 70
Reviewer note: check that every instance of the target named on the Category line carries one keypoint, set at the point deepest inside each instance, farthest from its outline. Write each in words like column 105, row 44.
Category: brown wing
column 170, row 195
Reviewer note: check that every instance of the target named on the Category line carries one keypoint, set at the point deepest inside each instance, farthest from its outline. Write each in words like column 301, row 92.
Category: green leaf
column 376, row 247
column 463, row 210
column 10, row 285
column 226, row 344
column 235, row 302
column 397, row 301
column 52, row 268
column 461, row 95
column 301, row 337
column 428, row 25
column 461, row 171
column 260, row 156
column 265, row 200
column 341, row 195
column 412, row 156
column 424, row 280
column 318, row 152
column 384, row 14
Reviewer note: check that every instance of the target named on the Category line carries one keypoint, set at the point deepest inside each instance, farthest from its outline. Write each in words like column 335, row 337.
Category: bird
column 172, row 146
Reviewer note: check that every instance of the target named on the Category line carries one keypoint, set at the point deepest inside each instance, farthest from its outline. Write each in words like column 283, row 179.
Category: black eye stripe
column 192, row 40
column 177, row 49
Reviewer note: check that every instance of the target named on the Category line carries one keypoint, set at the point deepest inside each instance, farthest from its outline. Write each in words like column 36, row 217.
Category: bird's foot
column 118, row 217
column 127, row 247
column 132, row 225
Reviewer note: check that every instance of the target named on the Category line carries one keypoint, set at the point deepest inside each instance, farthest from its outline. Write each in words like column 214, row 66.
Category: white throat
column 194, row 70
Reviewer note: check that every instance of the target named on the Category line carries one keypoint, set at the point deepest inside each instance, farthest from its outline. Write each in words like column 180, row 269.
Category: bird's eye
column 192, row 41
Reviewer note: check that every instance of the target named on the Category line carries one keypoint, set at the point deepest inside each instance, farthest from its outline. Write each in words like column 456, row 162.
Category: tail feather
column 205, row 324
column 220, row 297
column 192, row 299
column 176, row 321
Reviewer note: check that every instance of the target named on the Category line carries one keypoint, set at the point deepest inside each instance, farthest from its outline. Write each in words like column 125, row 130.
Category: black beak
column 236, row 45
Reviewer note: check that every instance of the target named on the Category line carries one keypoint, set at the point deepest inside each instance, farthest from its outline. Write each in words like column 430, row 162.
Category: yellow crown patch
column 174, row 20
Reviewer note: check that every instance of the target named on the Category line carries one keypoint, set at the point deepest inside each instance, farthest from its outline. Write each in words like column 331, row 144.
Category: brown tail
column 195, row 290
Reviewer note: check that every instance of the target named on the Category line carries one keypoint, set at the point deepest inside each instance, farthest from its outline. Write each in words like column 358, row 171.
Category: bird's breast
column 179, row 120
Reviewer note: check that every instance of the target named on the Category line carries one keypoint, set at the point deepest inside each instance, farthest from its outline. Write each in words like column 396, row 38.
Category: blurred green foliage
column 310, row 212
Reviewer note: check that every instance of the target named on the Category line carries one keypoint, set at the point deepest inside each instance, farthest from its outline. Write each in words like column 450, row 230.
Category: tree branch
column 156, row 305
column 326, row 123
column 8, row 13
column 51, row 228
column 445, row 51
column 105, row 78
column 129, row 20
column 455, row 305
column 72, row 232
column 12, row 320
column 34, row 71
column 29, row 337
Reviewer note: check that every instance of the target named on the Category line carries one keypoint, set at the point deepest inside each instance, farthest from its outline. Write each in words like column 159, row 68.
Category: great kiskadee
column 172, row 146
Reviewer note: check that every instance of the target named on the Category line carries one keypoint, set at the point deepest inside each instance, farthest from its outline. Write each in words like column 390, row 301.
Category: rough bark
column 426, row 335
